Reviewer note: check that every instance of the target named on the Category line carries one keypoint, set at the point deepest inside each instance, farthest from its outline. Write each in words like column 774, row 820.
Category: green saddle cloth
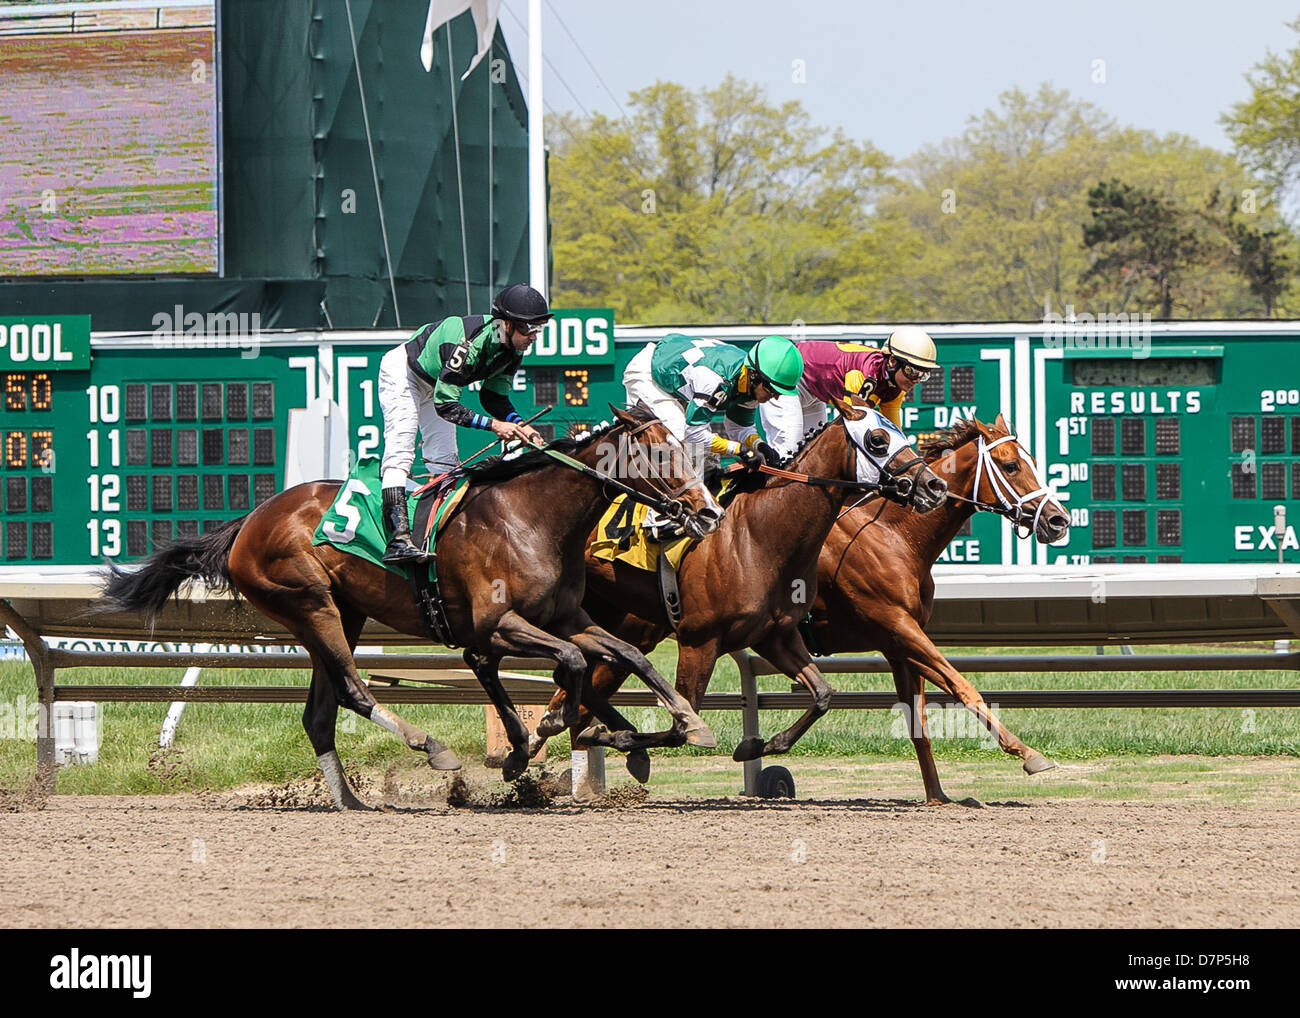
column 354, row 522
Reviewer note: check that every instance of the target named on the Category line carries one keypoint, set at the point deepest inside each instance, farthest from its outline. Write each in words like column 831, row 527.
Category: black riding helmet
column 521, row 303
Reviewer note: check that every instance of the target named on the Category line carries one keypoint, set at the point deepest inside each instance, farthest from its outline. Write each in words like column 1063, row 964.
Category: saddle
column 622, row 536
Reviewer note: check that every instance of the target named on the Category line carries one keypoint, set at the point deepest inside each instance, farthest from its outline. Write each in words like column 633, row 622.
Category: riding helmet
column 777, row 361
column 912, row 344
column 521, row 303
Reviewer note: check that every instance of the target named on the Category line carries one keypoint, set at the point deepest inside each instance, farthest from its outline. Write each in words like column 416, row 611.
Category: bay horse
column 750, row 583
column 876, row 592
column 511, row 570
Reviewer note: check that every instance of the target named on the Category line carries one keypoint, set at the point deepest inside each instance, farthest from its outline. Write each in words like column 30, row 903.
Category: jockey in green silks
column 690, row 382
column 420, row 385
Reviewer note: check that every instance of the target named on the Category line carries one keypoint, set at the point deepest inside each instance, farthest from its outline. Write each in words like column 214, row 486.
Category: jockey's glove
column 751, row 457
column 770, row 456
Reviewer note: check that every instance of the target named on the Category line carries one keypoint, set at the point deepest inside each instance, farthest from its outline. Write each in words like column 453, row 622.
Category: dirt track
column 191, row 861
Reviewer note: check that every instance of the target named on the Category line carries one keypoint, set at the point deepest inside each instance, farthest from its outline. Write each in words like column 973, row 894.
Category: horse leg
column 786, row 650
column 319, row 627
column 911, row 694
column 319, row 718
column 605, row 681
column 486, row 671
column 516, row 635
column 923, row 655
column 595, row 642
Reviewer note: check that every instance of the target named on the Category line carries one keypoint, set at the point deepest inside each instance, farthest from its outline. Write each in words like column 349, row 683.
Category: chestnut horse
column 749, row 584
column 875, row 590
column 510, row 565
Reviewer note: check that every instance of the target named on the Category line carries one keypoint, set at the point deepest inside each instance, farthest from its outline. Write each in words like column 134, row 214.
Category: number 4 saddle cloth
column 354, row 522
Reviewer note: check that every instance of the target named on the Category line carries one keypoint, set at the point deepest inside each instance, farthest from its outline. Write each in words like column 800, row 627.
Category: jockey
column 882, row 377
column 689, row 382
column 420, row 386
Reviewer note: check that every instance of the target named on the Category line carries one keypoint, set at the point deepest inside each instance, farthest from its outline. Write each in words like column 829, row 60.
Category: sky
column 903, row 75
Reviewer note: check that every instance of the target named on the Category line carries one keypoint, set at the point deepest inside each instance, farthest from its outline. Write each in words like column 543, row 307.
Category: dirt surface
column 279, row 858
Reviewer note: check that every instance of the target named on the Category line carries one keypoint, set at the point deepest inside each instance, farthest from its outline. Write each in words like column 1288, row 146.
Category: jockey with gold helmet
column 882, row 377
column 690, row 382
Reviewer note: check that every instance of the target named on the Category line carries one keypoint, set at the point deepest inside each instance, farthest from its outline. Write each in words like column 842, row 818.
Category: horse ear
column 620, row 413
column 1002, row 424
column 849, row 410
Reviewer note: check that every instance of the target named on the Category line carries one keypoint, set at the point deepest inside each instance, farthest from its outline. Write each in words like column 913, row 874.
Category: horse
column 510, row 567
column 875, row 589
column 750, row 583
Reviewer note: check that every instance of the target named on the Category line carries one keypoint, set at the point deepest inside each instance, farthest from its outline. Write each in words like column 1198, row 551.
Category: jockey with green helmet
column 690, row 382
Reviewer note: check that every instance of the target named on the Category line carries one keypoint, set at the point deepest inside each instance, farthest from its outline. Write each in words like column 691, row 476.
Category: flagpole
column 536, row 154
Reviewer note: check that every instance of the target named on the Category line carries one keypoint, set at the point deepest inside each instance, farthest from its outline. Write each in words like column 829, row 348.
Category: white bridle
column 1010, row 502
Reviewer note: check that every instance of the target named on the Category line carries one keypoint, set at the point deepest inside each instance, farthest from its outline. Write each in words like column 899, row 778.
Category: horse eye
column 1011, row 468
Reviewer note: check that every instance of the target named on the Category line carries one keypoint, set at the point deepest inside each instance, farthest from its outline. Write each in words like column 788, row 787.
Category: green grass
column 223, row 746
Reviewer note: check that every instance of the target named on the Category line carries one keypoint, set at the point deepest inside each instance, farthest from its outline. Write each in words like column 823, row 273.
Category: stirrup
column 402, row 549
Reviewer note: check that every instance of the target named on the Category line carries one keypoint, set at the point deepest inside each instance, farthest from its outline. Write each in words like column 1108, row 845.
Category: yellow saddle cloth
column 620, row 537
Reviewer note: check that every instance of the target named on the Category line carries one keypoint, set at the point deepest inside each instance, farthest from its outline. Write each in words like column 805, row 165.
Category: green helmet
column 778, row 362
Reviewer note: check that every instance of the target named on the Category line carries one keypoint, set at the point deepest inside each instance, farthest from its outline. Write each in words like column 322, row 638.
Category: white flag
column 441, row 11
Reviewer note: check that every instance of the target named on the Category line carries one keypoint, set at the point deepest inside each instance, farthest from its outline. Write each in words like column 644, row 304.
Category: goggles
column 916, row 374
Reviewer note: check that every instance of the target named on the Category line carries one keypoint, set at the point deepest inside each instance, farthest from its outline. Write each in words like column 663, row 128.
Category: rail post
column 749, row 714
column 39, row 655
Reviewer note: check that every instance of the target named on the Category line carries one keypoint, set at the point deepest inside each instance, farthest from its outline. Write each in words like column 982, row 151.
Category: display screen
column 576, row 387
column 1149, row 371
column 109, row 163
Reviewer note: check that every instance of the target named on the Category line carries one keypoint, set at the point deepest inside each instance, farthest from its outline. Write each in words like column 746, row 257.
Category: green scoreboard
column 1176, row 449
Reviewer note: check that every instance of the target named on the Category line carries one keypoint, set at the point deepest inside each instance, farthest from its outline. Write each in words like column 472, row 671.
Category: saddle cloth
column 354, row 522
column 621, row 537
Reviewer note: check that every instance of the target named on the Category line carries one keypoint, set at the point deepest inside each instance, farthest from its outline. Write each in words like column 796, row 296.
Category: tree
column 1266, row 127
column 1259, row 255
column 1149, row 240
column 706, row 206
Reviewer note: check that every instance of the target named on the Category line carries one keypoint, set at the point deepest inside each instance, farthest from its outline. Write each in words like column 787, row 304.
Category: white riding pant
column 787, row 419
column 640, row 385
column 407, row 404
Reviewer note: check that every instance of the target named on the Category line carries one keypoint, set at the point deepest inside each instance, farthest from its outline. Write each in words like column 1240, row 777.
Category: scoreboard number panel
column 136, row 446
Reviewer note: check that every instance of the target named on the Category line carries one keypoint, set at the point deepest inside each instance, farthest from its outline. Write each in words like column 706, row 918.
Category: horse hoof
column 701, row 735
column 596, row 735
column 440, row 757
column 1036, row 763
column 494, row 761
column 638, row 765
column 514, row 765
column 748, row 749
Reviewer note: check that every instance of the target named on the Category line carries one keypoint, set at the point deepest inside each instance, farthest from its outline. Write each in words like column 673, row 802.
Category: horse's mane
column 512, row 464
column 947, row 440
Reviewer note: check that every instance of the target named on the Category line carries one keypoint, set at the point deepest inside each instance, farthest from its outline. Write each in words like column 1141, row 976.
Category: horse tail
column 147, row 588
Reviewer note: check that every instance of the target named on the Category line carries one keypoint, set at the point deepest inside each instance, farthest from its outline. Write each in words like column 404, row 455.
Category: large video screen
column 108, row 121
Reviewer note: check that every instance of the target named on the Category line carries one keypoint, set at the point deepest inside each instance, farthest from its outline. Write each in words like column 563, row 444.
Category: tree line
column 717, row 205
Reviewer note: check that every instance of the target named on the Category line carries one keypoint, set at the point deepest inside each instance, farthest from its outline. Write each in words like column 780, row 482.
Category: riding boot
column 401, row 548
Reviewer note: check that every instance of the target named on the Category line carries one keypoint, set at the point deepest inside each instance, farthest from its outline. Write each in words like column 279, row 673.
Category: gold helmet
column 912, row 344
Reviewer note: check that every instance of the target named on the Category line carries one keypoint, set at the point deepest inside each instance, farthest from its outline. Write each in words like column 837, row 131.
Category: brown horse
column 511, row 568
column 749, row 584
column 875, row 590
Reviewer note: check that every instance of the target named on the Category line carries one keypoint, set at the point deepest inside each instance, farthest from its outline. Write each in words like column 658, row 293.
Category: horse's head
column 653, row 462
column 885, row 457
column 1007, row 482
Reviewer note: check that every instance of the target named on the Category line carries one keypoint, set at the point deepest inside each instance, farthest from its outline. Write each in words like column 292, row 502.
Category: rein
column 667, row 505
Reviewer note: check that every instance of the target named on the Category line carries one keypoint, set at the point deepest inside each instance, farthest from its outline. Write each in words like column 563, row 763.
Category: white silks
column 485, row 23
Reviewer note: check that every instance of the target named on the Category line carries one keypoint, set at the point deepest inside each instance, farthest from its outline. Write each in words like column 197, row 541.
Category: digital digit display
column 576, row 386
column 43, row 449
column 28, row 391
column 15, row 450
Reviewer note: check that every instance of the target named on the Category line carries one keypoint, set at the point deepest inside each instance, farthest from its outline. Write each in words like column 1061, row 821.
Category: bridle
column 666, row 503
column 1010, row 503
